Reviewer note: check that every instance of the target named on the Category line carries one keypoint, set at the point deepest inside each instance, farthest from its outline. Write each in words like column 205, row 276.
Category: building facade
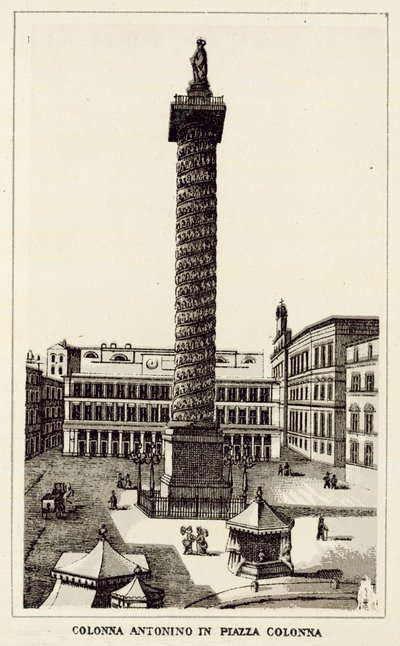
column 33, row 428
column 44, row 409
column 120, row 402
column 62, row 360
column 311, row 368
column 362, row 410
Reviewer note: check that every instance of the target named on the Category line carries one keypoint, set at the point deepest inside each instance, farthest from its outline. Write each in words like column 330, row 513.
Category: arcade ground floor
column 260, row 444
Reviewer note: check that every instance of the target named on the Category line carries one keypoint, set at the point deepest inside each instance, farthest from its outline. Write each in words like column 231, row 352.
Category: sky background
column 301, row 173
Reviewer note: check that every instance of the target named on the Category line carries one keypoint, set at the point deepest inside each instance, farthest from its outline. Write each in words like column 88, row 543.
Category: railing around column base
column 157, row 506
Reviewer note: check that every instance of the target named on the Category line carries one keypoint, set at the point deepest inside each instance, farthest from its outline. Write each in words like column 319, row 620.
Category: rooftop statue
column 199, row 63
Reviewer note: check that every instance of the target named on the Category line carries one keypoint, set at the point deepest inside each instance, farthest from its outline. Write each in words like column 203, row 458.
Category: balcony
column 208, row 102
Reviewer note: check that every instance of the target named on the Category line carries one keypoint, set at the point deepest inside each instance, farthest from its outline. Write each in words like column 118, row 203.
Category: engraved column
column 193, row 439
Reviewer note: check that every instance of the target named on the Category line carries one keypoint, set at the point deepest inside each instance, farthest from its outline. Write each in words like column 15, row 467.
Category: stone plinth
column 193, row 461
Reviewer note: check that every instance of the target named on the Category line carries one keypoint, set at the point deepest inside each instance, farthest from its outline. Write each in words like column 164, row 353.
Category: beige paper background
column 114, row 177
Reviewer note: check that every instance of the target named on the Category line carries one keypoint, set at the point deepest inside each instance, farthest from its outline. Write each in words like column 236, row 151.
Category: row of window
column 60, row 358
column 49, row 392
column 122, row 391
column 118, row 413
column 244, row 416
column 33, row 379
column 368, row 357
column 32, row 396
column 298, row 422
column 354, row 454
column 368, row 422
column 34, row 416
column 322, row 392
column 277, row 372
column 53, row 370
column 299, row 363
column 243, row 394
column 323, row 356
column 318, row 447
column 125, row 436
column 369, row 382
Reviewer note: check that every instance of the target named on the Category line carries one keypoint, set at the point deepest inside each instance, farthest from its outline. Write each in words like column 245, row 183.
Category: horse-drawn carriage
column 58, row 502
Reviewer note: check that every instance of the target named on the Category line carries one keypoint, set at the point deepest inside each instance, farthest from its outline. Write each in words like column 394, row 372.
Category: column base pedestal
column 193, row 461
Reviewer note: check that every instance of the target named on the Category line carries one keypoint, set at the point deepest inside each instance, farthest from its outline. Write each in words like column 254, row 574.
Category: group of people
column 330, row 481
column 284, row 470
column 190, row 538
column 124, row 483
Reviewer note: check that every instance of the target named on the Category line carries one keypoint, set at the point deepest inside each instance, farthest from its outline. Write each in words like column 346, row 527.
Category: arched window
column 119, row 357
column 369, row 411
column 61, row 358
column 249, row 360
column 354, row 418
column 53, row 358
column 91, row 355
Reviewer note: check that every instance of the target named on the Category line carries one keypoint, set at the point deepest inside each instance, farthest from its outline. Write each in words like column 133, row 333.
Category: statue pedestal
column 199, row 88
column 193, row 461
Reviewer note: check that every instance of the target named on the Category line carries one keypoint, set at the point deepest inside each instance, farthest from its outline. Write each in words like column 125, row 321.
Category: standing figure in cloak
column 202, row 544
column 199, row 62
column 187, row 542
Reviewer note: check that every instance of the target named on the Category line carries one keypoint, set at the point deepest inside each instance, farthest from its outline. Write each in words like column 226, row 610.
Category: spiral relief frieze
column 195, row 274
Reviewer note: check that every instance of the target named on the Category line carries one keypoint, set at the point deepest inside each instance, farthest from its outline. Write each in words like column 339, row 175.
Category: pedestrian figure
column 202, row 544
column 120, row 484
column 70, row 490
column 322, row 532
column 46, row 511
column 280, row 470
column 187, row 542
column 59, row 506
column 366, row 596
column 327, row 480
column 333, row 481
column 113, row 500
column 102, row 532
column 128, row 483
column 254, row 585
column 286, row 469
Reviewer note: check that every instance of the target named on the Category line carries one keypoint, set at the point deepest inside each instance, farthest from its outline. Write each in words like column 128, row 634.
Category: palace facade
column 311, row 370
column 119, row 401
column 362, row 410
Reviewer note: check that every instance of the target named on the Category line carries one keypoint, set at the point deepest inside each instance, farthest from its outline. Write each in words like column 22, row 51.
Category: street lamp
column 229, row 460
column 245, row 462
column 138, row 458
column 152, row 459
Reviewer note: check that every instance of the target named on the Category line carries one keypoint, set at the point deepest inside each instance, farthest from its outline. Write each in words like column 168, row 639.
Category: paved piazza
column 351, row 546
